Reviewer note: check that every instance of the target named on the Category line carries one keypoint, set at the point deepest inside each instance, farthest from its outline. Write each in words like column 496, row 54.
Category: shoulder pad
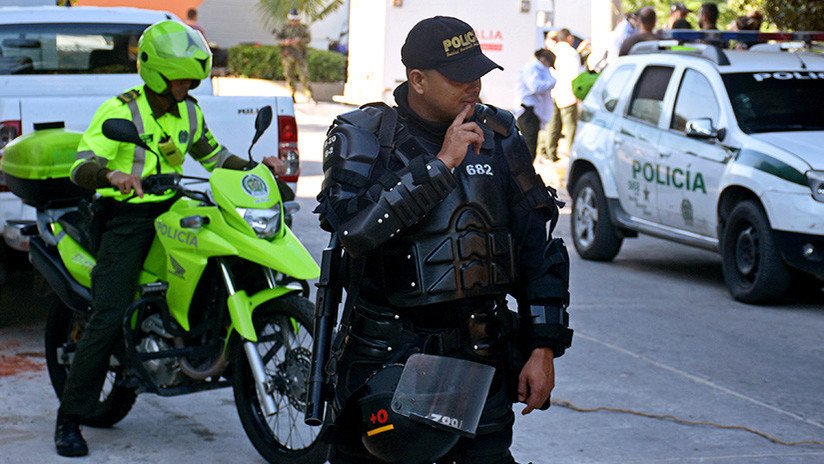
column 497, row 119
column 128, row 97
column 367, row 117
column 349, row 154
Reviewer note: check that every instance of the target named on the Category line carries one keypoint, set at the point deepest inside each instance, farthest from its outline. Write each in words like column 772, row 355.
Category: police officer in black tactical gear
column 441, row 215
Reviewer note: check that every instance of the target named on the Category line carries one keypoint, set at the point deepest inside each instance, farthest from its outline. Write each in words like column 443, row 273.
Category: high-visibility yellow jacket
column 188, row 132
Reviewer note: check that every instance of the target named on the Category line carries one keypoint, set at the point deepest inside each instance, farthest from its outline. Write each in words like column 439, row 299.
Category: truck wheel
column 284, row 328
column 593, row 233
column 753, row 270
column 63, row 330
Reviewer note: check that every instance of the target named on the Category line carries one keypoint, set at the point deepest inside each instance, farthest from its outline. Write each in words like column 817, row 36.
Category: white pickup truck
column 59, row 64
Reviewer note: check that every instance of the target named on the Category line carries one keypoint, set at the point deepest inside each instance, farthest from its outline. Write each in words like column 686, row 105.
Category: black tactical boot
column 67, row 438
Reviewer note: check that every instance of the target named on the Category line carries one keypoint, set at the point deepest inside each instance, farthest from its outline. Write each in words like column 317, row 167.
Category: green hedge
column 263, row 62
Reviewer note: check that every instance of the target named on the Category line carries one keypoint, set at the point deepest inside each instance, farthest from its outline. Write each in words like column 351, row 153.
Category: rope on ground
column 667, row 417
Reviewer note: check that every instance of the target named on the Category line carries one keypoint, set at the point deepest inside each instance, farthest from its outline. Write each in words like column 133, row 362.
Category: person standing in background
column 678, row 14
column 623, row 30
column 565, row 104
column 191, row 21
column 646, row 22
column 534, row 106
column 294, row 39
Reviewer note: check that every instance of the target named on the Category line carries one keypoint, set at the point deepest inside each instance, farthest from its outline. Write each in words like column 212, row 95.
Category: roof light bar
column 745, row 36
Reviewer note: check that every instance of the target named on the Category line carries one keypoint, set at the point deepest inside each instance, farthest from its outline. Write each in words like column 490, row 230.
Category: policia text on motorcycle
column 440, row 215
column 172, row 59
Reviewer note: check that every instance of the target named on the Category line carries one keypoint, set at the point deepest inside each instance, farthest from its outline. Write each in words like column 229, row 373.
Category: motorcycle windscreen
column 442, row 392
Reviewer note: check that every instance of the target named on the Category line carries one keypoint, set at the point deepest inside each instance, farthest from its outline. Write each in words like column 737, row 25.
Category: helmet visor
column 443, row 392
column 181, row 44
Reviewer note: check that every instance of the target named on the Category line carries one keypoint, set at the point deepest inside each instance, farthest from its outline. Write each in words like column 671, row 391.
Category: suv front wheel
column 753, row 270
column 593, row 233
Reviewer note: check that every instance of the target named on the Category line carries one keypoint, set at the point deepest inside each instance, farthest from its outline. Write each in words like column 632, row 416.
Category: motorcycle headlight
column 265, row 222
column 816, row 181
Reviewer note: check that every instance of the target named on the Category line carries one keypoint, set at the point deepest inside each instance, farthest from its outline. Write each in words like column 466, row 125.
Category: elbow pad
column 399, row 207
column 547, row 326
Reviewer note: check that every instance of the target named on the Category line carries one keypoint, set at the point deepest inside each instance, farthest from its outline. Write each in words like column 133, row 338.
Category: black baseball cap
column 678, row 6
column 449, row 46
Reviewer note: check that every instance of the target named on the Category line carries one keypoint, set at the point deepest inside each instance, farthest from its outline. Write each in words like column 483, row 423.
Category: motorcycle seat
column 76, row 224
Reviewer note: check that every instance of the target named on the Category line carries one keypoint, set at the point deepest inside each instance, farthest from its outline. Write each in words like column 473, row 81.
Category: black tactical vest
column 460, row 249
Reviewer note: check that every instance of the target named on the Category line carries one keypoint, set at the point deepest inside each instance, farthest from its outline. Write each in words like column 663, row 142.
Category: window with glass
column 695, row 100
column 647, row 102
column 614, row 87
column 74, row 48
column 776, row 101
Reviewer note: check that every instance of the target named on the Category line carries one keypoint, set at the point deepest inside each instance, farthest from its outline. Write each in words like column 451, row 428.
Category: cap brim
column 469, row 69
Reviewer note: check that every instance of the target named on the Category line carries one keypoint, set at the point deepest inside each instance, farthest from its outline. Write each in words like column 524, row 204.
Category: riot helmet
column 170, row 50
column 415, row 413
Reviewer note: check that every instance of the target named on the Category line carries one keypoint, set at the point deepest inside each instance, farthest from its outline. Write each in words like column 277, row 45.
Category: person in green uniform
column 293, row 40
column 172, row 59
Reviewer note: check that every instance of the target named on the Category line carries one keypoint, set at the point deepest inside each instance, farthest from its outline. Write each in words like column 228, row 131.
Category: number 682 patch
column 479, row 169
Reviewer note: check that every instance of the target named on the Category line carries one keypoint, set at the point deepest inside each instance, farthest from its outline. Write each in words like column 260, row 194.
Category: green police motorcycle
column 220, row 300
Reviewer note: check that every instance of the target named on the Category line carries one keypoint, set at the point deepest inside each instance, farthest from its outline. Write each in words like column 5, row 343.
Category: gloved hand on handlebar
column 277, row 165
column 125, row 182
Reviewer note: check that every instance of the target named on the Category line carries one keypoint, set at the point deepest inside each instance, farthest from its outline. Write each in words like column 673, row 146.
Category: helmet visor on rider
column 443, row 392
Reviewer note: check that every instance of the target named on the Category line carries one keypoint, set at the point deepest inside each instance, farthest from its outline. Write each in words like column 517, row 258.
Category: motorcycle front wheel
column 284, row 327
column 63, row 330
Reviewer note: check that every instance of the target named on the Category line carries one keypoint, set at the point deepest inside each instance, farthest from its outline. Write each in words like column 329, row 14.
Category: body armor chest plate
column 462, row 248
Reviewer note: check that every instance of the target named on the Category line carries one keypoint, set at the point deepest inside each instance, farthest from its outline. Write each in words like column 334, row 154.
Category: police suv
column 718, row 149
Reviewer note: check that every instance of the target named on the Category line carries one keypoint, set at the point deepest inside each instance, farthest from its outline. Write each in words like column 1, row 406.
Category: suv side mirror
column 701, row 128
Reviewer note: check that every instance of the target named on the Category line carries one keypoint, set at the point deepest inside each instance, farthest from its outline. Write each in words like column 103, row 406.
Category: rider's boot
column 67, row 438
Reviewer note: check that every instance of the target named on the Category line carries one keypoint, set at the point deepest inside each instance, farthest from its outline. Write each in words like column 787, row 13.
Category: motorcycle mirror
column 262, row 122
column 123, row 130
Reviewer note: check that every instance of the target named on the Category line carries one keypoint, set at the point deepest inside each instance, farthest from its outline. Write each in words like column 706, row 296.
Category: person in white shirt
column 623, row 30
column 565, row 104
column 533, row 107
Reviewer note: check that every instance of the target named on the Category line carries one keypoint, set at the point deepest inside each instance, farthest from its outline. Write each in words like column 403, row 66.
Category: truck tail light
column 9, row 130
column 288, row 147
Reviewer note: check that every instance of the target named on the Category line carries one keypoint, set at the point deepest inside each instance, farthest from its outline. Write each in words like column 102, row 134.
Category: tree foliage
column 792, row 15
column 275, row 11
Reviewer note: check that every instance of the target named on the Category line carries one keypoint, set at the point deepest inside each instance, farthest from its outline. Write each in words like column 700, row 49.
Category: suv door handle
column 618, row 140
column 665, row 154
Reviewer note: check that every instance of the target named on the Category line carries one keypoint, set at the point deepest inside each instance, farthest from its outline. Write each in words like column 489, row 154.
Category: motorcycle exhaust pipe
column 259, row 373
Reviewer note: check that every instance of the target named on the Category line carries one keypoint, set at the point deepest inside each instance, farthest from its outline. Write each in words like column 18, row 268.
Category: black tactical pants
column 529, row 124
column 127, row 235
column 355, row 363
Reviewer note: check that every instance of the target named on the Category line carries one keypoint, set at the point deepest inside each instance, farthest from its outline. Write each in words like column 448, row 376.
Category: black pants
column 127, row 234
column 529, row 124
column 356, row 361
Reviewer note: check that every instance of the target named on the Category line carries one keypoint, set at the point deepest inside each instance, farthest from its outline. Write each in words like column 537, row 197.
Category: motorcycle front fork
column 263, row 385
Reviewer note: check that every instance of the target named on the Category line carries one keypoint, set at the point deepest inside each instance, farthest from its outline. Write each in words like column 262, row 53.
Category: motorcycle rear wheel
column 63, row 329
column 285, row 328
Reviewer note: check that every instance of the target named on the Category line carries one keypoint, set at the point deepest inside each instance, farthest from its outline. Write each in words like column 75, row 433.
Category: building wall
column 230, row 22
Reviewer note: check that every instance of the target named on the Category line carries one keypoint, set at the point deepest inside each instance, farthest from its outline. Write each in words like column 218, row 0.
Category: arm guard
column 367, row 207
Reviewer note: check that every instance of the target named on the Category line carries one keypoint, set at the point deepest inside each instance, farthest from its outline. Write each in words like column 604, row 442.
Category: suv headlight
column 816, row 181
column 265, row 222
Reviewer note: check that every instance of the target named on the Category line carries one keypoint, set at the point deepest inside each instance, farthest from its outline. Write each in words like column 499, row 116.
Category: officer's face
column 442, row 99
column 180, row 88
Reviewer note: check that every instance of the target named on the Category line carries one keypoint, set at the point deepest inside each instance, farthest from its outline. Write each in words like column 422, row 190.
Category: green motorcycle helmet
column 168, row 51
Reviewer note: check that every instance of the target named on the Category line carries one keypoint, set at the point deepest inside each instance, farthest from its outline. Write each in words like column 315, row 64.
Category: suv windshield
column 777, row 101
column 69, row 48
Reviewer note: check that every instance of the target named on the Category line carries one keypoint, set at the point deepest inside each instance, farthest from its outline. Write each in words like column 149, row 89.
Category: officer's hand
column 277, row 165
column 537, row 379
column 458, row 137
column 125, row 182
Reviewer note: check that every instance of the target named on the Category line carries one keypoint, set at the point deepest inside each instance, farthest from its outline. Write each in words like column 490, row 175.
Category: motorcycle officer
column 172, row 59
column 441, row 215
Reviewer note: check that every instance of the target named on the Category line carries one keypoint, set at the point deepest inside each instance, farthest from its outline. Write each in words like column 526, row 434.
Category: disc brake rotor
column 292, row 374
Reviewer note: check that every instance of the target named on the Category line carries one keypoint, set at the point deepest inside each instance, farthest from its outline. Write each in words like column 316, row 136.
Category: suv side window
column 695, row 100
column 648, row 96
column 614, row 86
